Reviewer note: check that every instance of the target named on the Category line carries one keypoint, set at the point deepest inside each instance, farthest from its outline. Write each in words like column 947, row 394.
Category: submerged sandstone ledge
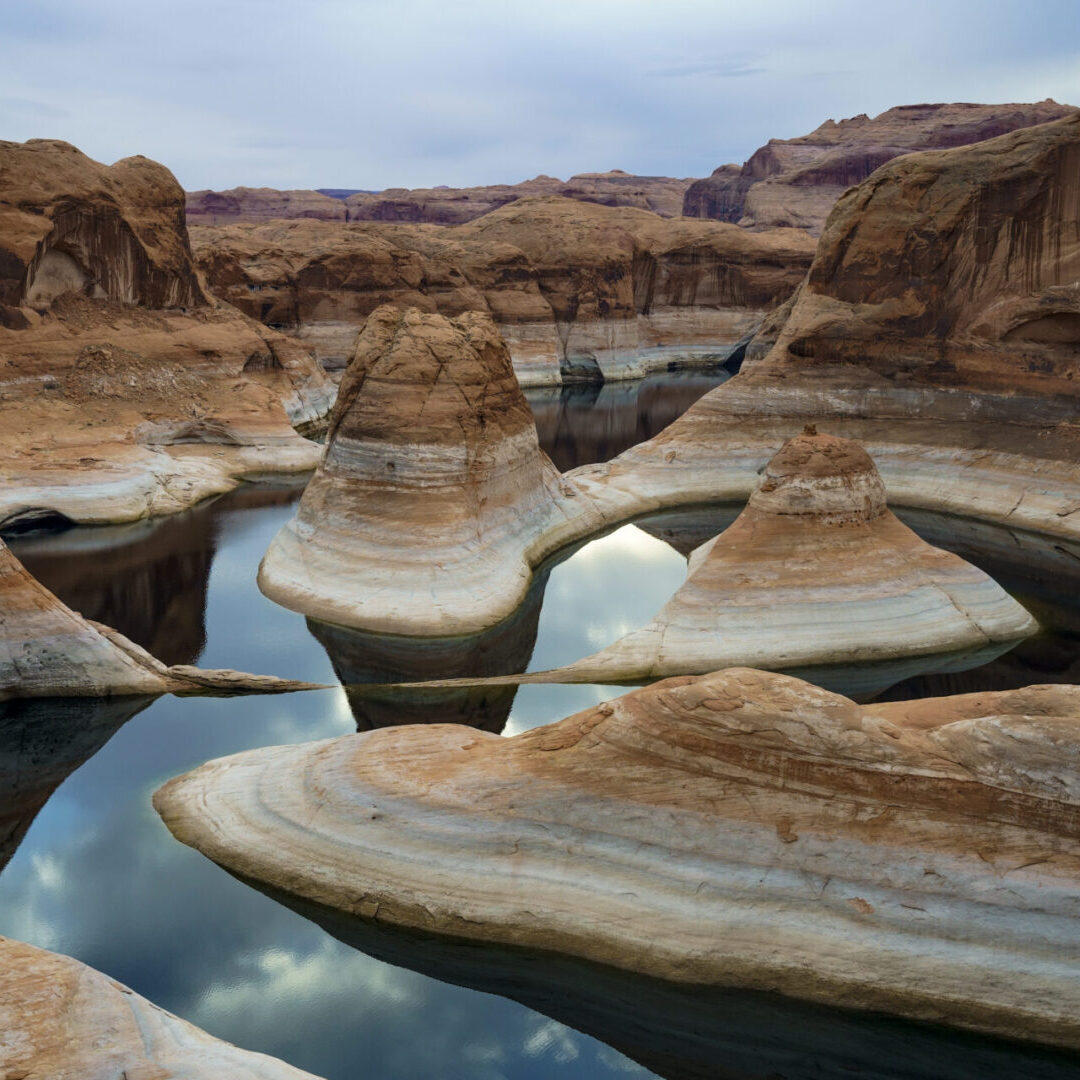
column 739, row 829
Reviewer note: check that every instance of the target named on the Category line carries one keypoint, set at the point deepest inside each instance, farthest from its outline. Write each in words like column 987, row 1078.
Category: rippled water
column 97, row 876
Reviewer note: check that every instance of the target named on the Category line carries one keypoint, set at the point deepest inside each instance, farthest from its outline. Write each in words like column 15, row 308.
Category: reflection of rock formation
column 126, row 390
column 582, row 423
column 360, row 658
column 737, row 830
column 62, row 1020
column 938, row 327
column 147, row 580
column 578, row 291
column 695, row 1032
column 42, row 741
column 424, row 516
column 815, row 571
column 796, row 181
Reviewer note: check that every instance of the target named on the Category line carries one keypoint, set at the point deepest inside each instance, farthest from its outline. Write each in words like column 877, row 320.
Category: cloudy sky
column 380, row 93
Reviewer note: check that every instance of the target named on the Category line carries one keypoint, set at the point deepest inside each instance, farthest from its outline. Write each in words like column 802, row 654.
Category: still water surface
column 98, row 877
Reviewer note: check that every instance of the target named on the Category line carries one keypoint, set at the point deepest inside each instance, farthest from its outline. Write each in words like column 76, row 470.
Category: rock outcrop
column 65, row 1021
column 435, row 206
column 125, row 389
column 739, row 829
column 578, row 291
column 815, row 572
column 795, row 182
column 939, row 327
column 433, row 502
column 48, row 650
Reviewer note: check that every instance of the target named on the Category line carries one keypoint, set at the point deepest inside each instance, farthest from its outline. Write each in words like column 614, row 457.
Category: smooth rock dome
column 738, row 829
column 434, row 500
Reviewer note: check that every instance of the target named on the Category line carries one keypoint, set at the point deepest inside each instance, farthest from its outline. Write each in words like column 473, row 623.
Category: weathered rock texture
column 578, row 291
column 737, row 829
column 794, row 182
column 815, row 571
column 436, row 206
column 61, row 1020
column 48, row 650
column 434, row 501
column 939, row 327
column 125, row 390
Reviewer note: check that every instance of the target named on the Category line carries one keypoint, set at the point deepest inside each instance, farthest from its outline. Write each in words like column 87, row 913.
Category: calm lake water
column 91, row 871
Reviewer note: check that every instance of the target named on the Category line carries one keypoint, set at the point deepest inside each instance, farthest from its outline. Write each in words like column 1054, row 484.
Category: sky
column 374, row 94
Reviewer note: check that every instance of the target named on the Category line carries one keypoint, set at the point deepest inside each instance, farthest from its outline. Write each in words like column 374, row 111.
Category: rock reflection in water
column 584, row 423
column 360, row 658
column 43, row 741
column 699, row 1033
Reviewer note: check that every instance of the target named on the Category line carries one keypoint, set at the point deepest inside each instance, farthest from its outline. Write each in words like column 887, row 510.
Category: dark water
column 92, row 872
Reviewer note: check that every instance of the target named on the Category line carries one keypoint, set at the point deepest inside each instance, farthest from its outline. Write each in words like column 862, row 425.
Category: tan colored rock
column 125, row 390
column 61, row 1020
column 739, row 829
column 815, row 571
column 795, row 182
column 938, row 327
column 48, row 650
column 434, row 501
column 578, row 291
column 259, row 204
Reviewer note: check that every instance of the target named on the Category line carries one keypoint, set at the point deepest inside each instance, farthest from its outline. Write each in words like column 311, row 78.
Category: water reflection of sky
column 99, row 878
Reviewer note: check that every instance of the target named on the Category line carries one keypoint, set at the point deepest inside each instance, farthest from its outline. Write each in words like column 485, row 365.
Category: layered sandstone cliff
column 125, row 389
column 939, row 326
column 795, row 182
column 65, row 1021
column 433, row 501
column 260, row 204
column 740, row 829
column 578, row 291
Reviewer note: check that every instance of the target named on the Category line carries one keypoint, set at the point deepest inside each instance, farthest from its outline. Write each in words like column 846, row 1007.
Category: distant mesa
column 794, row 182
column 63, row 1019
column 739, row 829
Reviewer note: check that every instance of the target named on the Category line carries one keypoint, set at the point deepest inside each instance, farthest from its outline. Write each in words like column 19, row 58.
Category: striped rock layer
column 738, row 829
column 61, row 1020
column 434, row 501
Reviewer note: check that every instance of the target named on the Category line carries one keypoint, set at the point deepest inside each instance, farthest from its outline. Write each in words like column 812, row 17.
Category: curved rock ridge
column 65, row 1021
column 433, row 501
column 815, row 571
column 736, row 829
column 939, row 327
column 795, row 182
column 126, row 391
column 48, row 650
column 578, row 291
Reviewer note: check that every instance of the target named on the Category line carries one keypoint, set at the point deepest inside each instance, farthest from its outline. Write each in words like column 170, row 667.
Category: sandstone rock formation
column 794, row 182
column 739, row 829
column 433, row 502
column 939, row 327
column 62, row 1020
column 125, row 390
column 260, row 204
column 48, row 650
column 815, row 571
column 436, row 206
column 578, row 291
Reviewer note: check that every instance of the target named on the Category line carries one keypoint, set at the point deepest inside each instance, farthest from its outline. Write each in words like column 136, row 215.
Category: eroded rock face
column 815, row 571
column 126, row 390
column 578, row 291
column 65, row 1021
column 738, row 829
column 939, row 326
column 436, row 206
column 433, row 500
column 795, row 182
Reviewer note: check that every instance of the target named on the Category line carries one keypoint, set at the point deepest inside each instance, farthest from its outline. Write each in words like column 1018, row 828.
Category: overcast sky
column 374, row 94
